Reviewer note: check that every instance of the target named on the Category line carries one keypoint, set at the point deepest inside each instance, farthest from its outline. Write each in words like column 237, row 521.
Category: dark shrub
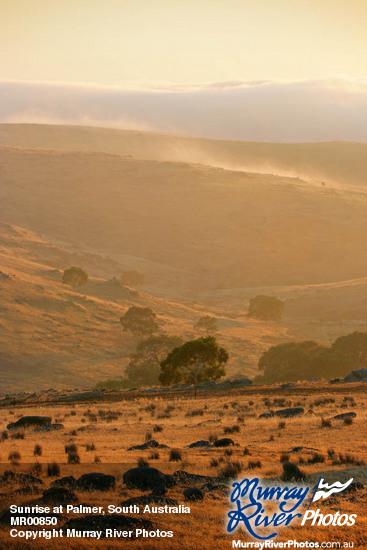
column 231, row 429
column 254, row 464
column 175, row 455
column 291, row 472
column 37, row 451
column 53, row 469
column 73, row 458
column 325, row 423
column 36, row 469
column 71, row 448
column 316, row 459
column 231, row 470
column 14, row 457
column 154, row 455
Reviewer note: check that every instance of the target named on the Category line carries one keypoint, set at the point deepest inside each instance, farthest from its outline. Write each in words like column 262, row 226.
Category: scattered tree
column 140, row 321
column 144, row 366
column 143, row 374
column 207, row 324
column 302, row 360
column 132, row 278
column 266, row 308
column 193, row 362
column 75, row 277
column 155, row 348
column 289, row 362
column 353, row 346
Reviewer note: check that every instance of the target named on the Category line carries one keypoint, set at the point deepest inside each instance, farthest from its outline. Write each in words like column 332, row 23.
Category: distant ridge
column 328, row 162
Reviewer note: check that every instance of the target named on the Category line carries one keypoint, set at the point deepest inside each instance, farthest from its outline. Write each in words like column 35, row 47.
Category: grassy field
column 210, row 224
column 336, row 452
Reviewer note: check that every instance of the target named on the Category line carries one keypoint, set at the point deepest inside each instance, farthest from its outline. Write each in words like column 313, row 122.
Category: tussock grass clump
column 212, row 438
column 154, row 455
column 14, row 457
column 4, row 435
column 348, row 398
column 291, row 472
column 37, row 451
column 97, row 460
column 142, row 462
column 246, row 451
column 322, row 401
column 36, row 469
column 271, row 438
column 195, row 412
column 228, row 452
column 89, row 447
column 18, row 435
column 326, row 423
column 284, row 457
column 348, row 459
column 281, row 425
column 231, row 470
column 71, row 448
column 175, row 455
column 214, row 463
column 231, row 429
column 331, row 454
column 254, row 464
column 157, row 428
column 316, row 458
column 53, row 469
column 148, row 436
column 348, row 421
column 73, row 458
column 149, row 408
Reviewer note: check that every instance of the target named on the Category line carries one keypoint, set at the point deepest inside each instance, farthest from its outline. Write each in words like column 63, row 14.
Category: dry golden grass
column 264, row 439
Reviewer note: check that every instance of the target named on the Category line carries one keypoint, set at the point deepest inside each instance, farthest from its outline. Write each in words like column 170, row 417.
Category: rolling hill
column 207, row 238
column 336, row 163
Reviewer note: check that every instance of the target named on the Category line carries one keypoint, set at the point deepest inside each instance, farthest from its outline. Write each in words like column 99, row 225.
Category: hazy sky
column 114, row 42
column 267, row 70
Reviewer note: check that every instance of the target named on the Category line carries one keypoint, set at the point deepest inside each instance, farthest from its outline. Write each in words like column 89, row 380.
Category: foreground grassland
column 110, row 427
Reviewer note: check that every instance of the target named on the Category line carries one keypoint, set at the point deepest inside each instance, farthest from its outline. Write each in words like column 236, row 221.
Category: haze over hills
column 333, row 162
column 53, row 336
column 207, row 238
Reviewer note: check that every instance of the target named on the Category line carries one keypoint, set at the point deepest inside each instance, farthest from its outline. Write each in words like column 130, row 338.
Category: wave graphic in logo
column 324, row 490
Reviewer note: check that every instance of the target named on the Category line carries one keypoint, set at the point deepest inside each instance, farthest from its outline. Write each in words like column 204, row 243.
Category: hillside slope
column 52, row 336
column 334, row 162
column 209, row 227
